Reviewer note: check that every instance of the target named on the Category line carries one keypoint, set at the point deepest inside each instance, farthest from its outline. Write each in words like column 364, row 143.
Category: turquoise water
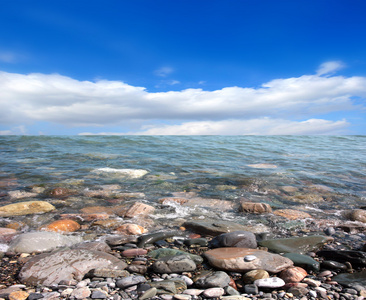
column 220, row 167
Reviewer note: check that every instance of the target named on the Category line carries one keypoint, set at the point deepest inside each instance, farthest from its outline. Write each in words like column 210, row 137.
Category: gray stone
column 251, row 289
column 300, row 245
column 153, row 237
column 174, row 264
column 164, row 286
column 334, row 265
column 231, row 291
column 303, row 261
column 130, row 281
column 148, row 294
column 164, row 252
column 41, row 242
column 50, row 268
column 96, row 246
column 98, row 295
column 213, row 227
column 356, row 258
column 351, row 279
column 215, row 279
column 232, row 259
column 243, row 239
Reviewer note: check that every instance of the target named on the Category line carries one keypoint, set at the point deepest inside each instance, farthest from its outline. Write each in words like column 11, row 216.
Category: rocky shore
column 124, row 251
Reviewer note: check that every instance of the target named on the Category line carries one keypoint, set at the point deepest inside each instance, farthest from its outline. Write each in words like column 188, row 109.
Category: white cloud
column 163, row 71
column 64, row 100
column 330, row 67
column 19, row 130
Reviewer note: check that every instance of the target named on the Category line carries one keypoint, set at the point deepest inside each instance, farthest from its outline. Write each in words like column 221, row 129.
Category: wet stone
column 215, row 279
column 251, row 289
column 175, row 264
column 243, row 239
column 213, row 227
column 199, row 241
column 165, row 286
column 304, row 261
column 130, row 281
column 293, row 274
column 351, row 279
column 148, row 294
column 334, row 265
column 153, row 237
column 356, row 258
column 160, row 253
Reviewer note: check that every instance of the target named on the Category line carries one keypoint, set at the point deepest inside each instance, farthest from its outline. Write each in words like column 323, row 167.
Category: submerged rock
column 50, row 268
column 297, row 244
column 292, row 214
column 232, row 259
column 25, row 208
column 351, row 279
column 41, row 241
column 256, row 208
column 139, row 208
column 356, row 258
column 63, row 226
column 174, row 264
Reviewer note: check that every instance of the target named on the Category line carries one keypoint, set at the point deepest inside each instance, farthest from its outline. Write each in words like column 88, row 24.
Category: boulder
column 50, row 268
column 25, row 208
column 234, row 259
column 41, row 241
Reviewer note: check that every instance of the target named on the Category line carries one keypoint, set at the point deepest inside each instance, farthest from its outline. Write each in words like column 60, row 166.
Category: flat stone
column 50, row 268
column 25, row 208
column 351, row 279
column 134, row 252
column 21, row 195
column 164, row 287
column 304, row 261
column 272, row 282
column 215, row 279
column 18, row 295
column 358, row 215
column 292, row 214
column 139, row 208
column 41, row 242
column 254, row 208
column 356, row 258
column 109, row 272
column 242, row 239
column 96, row 246
column 130, row 281
column 193, row 292
column 81, row 293
column 153, row 237
column 148, row 294
column 297, row 244
column 213, row 227
column 174, row 264
column 99, row 295
column 334, row 265
column 251, row 276
column 164, row 252
column 131, row 229
column 232, row 259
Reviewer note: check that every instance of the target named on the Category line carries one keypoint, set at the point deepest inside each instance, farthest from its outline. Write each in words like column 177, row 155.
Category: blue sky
column 182, row 67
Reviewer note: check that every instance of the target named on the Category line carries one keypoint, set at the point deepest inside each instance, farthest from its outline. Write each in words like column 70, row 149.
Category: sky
column 183, row 67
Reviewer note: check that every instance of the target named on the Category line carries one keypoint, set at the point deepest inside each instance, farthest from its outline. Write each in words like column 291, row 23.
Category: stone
column 116, row 240
column 251, row 289
column 139, row 208
column 174, row 264
column 202, row 242
column 148, row 294
column 25, row 208
column 358, row 215
column 312, row 282
column 213, row 227
column 41, row 241
column 97, row 294
column 242, row 239
column 63, row 226
column 129, row 173
column 213, row 292
column 96, row 246
column 293, row 274
column 164, row 286
column 292, row 214
column 254, row 208
column 356, row 258
column 18, row 295
column 60, row 192
column 182, row 297
column 193, row 292
column 50, row 268
column 334, row 265
column 164, row 252
column 7, row 234
column 296, row 245
column 81, row 293
column 131, row 229
column 304, row 261
column 232, row 259
column 134, row 252
column 140, row 269
column 351, row 279
column 215, row 279
column 298, row 291
column 21, row 195
column 307, row 198
column 251, row 276
column 109, row 272
column 130, row 281
column 272, row 282
column 35, row 296
column 185, row 199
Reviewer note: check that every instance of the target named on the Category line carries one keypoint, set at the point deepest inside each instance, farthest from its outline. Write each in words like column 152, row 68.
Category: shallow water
column 256, row 168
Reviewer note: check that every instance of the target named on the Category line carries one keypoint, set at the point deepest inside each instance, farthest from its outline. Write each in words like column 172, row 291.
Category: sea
column 322, row 175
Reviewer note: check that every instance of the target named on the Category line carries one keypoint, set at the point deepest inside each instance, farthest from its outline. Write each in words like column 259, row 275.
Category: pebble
column 294, row 274
column 182, row 297
column 272, row 282
column 193, row 292
column 213, row 292
column 129, row 281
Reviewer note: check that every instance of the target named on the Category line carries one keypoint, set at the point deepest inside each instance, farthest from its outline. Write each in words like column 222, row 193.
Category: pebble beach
column 155, row 227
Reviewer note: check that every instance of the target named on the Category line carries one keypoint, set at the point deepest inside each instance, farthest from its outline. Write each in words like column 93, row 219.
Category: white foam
column 131, row 173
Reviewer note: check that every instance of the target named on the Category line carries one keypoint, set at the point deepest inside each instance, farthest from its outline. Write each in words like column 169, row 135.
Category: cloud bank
column 281, row 106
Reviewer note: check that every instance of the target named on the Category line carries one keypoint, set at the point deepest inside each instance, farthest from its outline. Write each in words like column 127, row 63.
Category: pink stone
column 134, row 252
column 214, row 292
column 139, row 209
column 294, row 274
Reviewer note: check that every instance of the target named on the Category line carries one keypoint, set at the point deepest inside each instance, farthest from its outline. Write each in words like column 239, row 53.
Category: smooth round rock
column 272, row 282
column 215, row 279
column 175, row 264
column 134, row 252
column 249, row 258
column 131, row 229
column 240, row 238
column 253, row 275
column 294, row 274
column 26, row 208
column 130, row 281
column 213, row 292
column 63, row 226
